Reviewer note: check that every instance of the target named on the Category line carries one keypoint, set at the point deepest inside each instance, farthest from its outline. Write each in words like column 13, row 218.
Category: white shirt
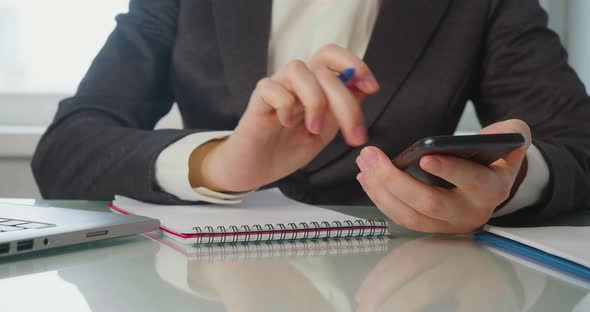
column 299, row 28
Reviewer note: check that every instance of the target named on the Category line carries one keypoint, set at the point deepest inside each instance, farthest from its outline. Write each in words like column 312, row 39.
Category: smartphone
column 484, row 149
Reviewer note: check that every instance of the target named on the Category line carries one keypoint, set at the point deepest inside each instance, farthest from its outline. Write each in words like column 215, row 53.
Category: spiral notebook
column 265, row 250
column 262, row 216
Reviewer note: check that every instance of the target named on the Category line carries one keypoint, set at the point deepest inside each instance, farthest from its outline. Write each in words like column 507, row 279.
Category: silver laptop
column 28, row 228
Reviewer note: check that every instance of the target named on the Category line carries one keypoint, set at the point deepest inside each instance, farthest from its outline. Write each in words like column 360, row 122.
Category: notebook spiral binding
column 290, row 231
column 289, row 248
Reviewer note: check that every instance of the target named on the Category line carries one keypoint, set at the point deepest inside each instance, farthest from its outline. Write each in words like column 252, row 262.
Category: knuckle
column 290, row 100
column 294, row 66
column 386, row 176
column 316, row 104
column 479, row 181
column 264, row 83
column 328, row 48
column 316, row 101
column 287, row 102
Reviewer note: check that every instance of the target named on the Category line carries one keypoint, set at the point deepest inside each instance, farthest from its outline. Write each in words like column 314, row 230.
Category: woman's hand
column 273, row 284
column 421, row 207
column 290, row 118
column 428, row 273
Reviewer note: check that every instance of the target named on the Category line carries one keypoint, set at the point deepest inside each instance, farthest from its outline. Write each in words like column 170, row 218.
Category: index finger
column 512, row 126
column 338, row 59
column 344, row 107
column 510, row 165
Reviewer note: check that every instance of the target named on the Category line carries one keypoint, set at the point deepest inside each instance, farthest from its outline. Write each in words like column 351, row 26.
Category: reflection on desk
column 406, row 273
column 286, row 276
column 431, row 273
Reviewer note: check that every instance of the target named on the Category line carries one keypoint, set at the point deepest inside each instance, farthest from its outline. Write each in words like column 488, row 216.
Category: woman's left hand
column 421, row 207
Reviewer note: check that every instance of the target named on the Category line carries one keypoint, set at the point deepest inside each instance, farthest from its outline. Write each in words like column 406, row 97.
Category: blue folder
column 533, row 254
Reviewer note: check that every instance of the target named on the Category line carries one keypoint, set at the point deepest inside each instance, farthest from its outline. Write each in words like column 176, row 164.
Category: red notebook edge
column 163, row 228
column 231, row 234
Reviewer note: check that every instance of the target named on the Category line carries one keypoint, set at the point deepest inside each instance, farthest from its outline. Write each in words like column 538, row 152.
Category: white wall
column 16, row 180
column 16, row 147
column 578, row 37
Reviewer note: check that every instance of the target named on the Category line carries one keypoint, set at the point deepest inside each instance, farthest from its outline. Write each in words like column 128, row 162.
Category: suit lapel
column 402, row 31
column 243, row 30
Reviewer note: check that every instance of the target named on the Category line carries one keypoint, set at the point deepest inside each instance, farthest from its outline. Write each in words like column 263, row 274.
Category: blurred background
column 47, row 46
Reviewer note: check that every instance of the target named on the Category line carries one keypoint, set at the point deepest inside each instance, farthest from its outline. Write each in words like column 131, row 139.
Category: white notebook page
column 568, row 242
column 261, row 208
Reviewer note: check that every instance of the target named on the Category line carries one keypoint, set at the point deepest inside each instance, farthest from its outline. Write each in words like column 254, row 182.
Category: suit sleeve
column 525, row 75
column 172, row 170
column 102, row 141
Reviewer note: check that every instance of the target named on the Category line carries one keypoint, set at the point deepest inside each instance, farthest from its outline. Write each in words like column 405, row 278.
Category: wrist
column 202, row 166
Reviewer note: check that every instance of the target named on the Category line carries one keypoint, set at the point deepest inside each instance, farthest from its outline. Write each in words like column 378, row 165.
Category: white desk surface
column 410, row 272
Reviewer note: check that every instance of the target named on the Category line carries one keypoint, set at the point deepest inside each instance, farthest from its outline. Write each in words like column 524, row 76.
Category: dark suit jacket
column 430, row 57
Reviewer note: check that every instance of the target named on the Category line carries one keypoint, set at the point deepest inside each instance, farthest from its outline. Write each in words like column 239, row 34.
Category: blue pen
column 347, row 75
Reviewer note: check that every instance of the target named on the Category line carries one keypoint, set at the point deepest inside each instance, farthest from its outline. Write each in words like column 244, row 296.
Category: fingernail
column 360, row 178
column 363, row 164
column 370, row 156
column 316, row 125
column 289, row 120
column 368, row 83
column 362, row 85
column 359, row 162
column 432, row 164
column 360, row 134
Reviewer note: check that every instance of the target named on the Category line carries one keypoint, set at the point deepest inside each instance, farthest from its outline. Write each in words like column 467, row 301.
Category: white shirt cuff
column 532, row 187
column 172, row 170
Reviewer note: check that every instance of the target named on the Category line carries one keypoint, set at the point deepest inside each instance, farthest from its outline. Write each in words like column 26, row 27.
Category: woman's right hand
column 290, row 118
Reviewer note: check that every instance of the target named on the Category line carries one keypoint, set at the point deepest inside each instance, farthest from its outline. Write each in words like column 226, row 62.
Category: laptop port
column 4, row 248
column 24, row 245
column 97, row 233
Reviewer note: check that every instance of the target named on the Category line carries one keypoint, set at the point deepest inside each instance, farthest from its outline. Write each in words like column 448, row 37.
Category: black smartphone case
column 483, row 149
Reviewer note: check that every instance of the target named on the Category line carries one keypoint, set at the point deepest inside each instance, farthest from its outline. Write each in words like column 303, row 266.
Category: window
column 569, row 18
column 45, row 49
